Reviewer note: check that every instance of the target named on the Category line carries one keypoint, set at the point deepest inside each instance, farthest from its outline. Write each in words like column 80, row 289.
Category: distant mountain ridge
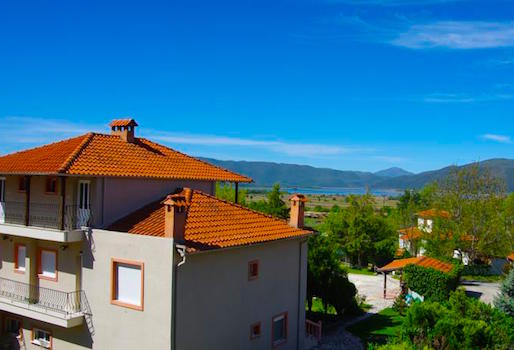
column 294, row 175
column 393, row 172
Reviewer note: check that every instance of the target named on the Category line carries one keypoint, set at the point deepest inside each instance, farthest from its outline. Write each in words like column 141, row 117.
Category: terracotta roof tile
column 433, row 213
column 410, row 233
column 211, row 223
column 511, row 257
column 108, row 155
column 48, row 159
column 123, row 122
column 424, row 261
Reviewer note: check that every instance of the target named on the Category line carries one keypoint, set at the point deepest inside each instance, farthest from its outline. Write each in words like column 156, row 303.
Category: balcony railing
column 47, row 215
column 45, row 300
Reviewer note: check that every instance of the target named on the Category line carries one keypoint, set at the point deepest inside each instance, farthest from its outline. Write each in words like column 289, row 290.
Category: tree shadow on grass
column 377, row 328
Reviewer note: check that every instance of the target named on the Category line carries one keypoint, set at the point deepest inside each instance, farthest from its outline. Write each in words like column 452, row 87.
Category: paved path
column 485, row 291
column 373, row 288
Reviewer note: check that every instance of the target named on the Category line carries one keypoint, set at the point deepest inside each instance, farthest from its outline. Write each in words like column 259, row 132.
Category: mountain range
column 294, row 175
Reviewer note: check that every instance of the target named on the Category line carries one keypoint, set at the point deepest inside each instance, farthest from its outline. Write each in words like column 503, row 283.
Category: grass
column 361, row 271
column 379, row 327
column 317, row 307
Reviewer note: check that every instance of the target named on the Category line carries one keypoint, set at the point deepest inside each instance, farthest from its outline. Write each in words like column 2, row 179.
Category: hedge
column 433, row 284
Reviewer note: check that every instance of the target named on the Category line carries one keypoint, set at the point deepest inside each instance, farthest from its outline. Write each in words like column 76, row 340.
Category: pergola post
column 385, row 284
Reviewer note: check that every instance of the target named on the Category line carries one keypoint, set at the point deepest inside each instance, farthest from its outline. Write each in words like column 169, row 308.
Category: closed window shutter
column 48, row 263
column 129, row 284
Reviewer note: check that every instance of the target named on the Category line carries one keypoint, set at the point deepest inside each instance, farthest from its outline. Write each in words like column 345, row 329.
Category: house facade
column 110, row 241
column 413, row 239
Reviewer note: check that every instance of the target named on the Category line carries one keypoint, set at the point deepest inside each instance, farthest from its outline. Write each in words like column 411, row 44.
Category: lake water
column 334, row 191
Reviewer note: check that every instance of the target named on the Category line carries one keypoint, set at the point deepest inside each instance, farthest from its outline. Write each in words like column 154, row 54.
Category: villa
column 111, row 241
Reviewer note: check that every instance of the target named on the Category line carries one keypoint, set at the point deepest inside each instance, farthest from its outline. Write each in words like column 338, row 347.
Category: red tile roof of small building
column 423, row 261
column 511, row 257
column 410, row 233
column 108, row 155
column 210, row 223
column 433, row 213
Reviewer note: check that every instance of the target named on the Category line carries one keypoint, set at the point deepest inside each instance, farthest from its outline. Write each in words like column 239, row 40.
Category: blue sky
column 345, row 84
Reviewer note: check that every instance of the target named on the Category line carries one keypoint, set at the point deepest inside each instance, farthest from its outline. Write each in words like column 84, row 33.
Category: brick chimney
column 297, row 210
column 175, row 208
column 124, row 128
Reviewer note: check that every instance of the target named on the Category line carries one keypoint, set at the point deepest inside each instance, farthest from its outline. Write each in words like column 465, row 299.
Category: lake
column 341, row 191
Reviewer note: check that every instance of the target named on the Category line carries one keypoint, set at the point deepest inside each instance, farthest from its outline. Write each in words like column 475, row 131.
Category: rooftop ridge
column 66, row 165
column 246, row 208
column 191, row 157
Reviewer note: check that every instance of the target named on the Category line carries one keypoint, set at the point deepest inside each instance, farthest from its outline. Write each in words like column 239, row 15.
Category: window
column 51, row 185
column 47, row 268
column 22, row 184
column 279, row 329
column 127, row 283
column 255, row 330
column 2, row 189
column 20, row 253
column 41, row 338
column 253, row 269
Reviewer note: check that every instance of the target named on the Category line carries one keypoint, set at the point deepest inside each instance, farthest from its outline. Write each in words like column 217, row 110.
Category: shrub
column 400, row 305
column 459, row 323
column 505, row 300
column 432, row 284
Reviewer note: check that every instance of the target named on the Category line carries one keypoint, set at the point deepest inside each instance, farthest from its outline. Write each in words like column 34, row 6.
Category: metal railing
column 47, row 215
column 65, row 303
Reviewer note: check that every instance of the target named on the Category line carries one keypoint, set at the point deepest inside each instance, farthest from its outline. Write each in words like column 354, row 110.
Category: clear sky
column 346, row 84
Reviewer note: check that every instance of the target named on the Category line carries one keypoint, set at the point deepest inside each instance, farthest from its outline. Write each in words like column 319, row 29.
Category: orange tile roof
column 511, row 257
column 210, row 223
column 432, row 213
column 108, row 155
column 123, row 122
column 410, row 233
column 423, row 261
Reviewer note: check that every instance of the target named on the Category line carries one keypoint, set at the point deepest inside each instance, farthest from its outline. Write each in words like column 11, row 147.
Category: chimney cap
column 181, row 199
column 123, row 123
column 298, row 197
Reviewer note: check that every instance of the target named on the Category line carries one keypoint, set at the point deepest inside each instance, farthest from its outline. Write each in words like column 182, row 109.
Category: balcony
column 65, row 309
column 44, row 221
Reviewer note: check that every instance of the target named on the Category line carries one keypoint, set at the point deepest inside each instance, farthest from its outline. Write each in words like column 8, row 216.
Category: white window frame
column 38, row 342
column 41, row 272
column 115, row 262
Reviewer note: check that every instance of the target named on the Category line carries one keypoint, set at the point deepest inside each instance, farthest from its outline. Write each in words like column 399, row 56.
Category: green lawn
column 362, row 271
column 379, row 327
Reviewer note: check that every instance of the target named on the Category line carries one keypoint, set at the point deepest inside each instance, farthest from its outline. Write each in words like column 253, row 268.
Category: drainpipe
column 181, row 250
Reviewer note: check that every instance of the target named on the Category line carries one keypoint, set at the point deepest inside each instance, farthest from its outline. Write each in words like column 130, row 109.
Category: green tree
column 326, row 278
column 475, row 200
column 505, row 300
column 363, row 235
column 274, row 205
column 227, row 191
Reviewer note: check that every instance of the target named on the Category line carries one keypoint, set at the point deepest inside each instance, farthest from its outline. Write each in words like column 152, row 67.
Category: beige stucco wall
column 68, row 263
column 216, row 303
column 123, row 196
column 118, row 327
